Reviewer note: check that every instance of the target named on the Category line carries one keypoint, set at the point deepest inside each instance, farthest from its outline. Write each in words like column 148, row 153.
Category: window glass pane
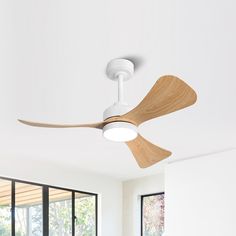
column 85, row 212
column 5, row 207
column 60, row 212
column 153, row 215
column 28, row 210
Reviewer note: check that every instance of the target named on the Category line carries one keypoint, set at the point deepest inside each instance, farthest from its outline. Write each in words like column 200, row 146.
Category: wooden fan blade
column 168, row 94
column 146, row 153
column 45, row 125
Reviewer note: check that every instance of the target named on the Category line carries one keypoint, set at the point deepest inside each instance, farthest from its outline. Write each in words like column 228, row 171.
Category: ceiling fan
column 120, row 122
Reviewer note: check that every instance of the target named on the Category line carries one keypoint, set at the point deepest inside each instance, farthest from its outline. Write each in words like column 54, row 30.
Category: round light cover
column 120, row 131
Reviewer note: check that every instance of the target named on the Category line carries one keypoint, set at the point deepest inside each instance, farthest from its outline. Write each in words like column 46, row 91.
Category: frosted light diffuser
column 120, row 131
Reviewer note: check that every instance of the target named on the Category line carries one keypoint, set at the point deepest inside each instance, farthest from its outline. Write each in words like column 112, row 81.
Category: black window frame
column 45, row 204
column 142, row 197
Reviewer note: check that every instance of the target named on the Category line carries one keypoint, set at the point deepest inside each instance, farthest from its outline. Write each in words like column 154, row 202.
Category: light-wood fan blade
column 46, row 125
column 168, row 94
column 146, row 153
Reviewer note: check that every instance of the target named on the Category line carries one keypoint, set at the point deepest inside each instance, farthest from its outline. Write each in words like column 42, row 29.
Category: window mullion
column 45, row 211
column 13, row 197
column 73, row 213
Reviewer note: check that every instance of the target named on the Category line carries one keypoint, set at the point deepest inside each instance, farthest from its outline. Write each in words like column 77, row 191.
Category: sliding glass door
column 85, row 215
column 60, row 212
column 30, row 209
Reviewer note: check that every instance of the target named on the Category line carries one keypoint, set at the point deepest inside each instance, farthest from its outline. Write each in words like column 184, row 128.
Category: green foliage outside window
column 85, row 216
column 59, row 218
column 5, row 221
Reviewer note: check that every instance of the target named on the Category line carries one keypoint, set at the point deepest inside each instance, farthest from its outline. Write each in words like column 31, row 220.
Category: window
column 30, row 209
column 152, row 214
column 60, row 212
column 84, row 205
column 5, row 207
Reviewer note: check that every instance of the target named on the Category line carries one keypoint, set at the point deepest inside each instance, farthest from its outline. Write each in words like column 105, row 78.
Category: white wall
column 132, row 190
column 201, row 196
column 109, row 190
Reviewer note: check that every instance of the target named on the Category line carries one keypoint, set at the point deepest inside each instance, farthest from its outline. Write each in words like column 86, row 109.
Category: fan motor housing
column 117, row 109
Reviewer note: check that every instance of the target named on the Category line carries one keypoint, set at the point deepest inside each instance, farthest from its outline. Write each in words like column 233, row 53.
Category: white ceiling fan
column 120, row 123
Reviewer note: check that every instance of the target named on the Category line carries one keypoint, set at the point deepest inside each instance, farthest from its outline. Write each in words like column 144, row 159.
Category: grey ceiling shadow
column 203, row 155
column 138, row 61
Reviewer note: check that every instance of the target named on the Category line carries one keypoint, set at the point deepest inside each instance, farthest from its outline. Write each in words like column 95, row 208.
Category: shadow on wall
column 204, row 154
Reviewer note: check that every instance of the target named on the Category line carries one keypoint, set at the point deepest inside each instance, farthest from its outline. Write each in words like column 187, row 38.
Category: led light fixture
column 120, row 131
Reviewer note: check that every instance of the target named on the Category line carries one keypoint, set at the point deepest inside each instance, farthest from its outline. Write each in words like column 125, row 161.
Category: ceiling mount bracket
column 118, row 68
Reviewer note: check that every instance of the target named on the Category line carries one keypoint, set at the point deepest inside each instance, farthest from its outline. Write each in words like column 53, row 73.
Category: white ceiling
column 52, row 60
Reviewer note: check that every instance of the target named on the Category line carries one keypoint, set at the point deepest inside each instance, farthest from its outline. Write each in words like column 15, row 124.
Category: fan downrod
column 119, row 70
